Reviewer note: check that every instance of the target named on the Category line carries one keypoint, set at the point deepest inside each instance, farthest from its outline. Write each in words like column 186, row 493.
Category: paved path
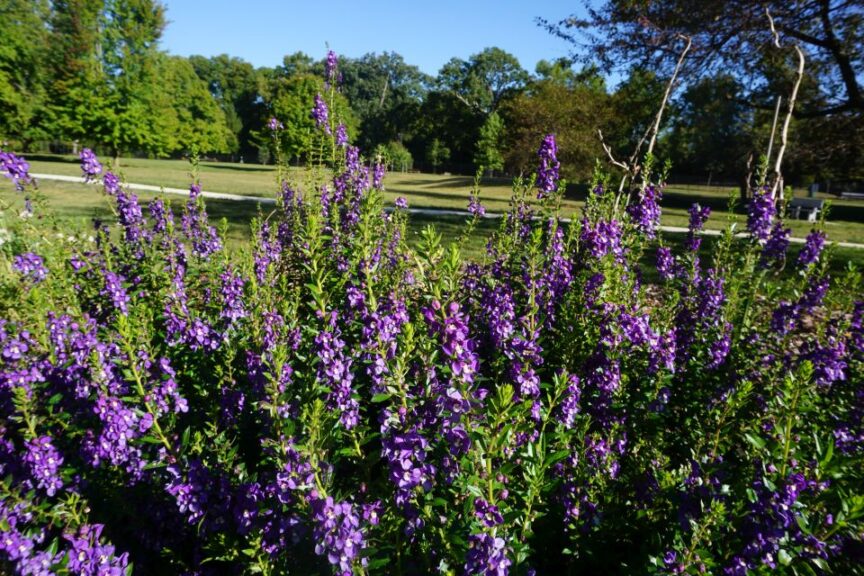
column 423, row 211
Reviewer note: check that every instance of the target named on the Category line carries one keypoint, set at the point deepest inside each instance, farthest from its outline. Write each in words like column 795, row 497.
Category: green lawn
column 845, row 223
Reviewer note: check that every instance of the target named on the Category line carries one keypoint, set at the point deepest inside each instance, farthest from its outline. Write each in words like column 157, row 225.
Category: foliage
column 488, row 152
column 331, row 399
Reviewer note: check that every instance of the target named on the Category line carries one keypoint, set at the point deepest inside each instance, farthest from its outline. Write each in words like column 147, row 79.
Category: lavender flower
column 334, row 370
column 321, row 114
column 602, row 238
column 88, row 556
column 547, row 172
column 274, row 124
column 31, row 266
column 378, row 177
column 401, row 202
column 232, row 296
column 812, row 248
column 90, row 165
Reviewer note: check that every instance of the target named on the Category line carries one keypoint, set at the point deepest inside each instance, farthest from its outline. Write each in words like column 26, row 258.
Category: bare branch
column 669, row 86
column 608, row 150
column 784, row 134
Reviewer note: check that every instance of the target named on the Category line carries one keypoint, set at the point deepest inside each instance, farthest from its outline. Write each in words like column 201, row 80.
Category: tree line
column 91, row 72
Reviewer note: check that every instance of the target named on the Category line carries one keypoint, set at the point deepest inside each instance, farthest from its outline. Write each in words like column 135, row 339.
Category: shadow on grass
column 237, row 168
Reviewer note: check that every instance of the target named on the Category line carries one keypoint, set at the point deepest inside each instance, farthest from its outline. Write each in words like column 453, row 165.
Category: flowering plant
column 335, row 399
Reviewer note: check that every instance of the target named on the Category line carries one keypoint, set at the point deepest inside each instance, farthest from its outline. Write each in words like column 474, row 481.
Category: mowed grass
column 74, row 206
column 441, row 191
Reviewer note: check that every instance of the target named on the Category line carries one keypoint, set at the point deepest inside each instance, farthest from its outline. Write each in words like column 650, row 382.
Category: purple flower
column 487, row 513
column 698, row 216
column 274, row 124
column 775, row 249
column 487, row 555
column 378, row 177
column 321, row 114
column 645, row 213
column 43, row 461
column 760, row 214
column 665, row 263
column 475, row 207
column 331, row 69
column 341, row 135
column 90, row 165
column 401, row 202
column 15, row 168
column 602, row 238
column 570, row 406
column 812, row 248
column 232, row 296
column 31, row 266
column 337, row 533
column 547, row 172
column 116, row 292
column 88, row 556
column 334, row 371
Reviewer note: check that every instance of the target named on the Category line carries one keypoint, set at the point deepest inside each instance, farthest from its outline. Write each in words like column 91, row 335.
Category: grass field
column 845, row 222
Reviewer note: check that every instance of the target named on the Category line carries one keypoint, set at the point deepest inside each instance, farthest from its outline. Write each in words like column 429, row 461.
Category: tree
column 710, row 131
column 484, row 80
column 193, row 118
column 732, row 35
column 77, row 89
column 573, row 110
column 291, row 101
column 385, row 93
column 488, row 152
column 23, row 58
column 237, row 88
column 436, row 154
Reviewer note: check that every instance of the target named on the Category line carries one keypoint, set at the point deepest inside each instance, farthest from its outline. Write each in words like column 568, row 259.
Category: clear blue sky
column 427, row 34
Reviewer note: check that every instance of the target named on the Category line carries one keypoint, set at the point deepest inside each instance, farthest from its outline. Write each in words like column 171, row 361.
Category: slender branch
column 669, row 86
column 784, row 134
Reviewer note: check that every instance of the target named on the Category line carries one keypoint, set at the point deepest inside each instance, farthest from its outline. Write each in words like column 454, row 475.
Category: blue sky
column 427, row 34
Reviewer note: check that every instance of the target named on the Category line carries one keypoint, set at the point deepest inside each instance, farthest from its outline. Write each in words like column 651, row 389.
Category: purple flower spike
column 16, row 169
column 812, row 248
column 401, row 202
column 90, row 165
column 547, row 173
column 31, row 266
column 321, row 114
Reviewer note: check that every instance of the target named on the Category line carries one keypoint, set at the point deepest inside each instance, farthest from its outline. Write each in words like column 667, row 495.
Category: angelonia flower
column 116, row 292
column 88, row 555
column 337, row 533
column 475, row 207
column 645, row 213
column 547, row 172
column 44, row 462
column 775, row 248
column 601, row 238
column 378, row 176
column 31, row 266
column 331, row 69
column 487, row 554
column 341, row 135
column 665, row 263
column 15, row 168
column 812, row 248
column 321, row 114
column 760, row 214
column 90, row 165
column 698, row 216
column 401, row 202
column 274, row 124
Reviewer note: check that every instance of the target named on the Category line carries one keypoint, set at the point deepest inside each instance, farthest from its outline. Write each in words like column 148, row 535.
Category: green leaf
column 756, row 441
column 784, row 557
column 382, row 397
